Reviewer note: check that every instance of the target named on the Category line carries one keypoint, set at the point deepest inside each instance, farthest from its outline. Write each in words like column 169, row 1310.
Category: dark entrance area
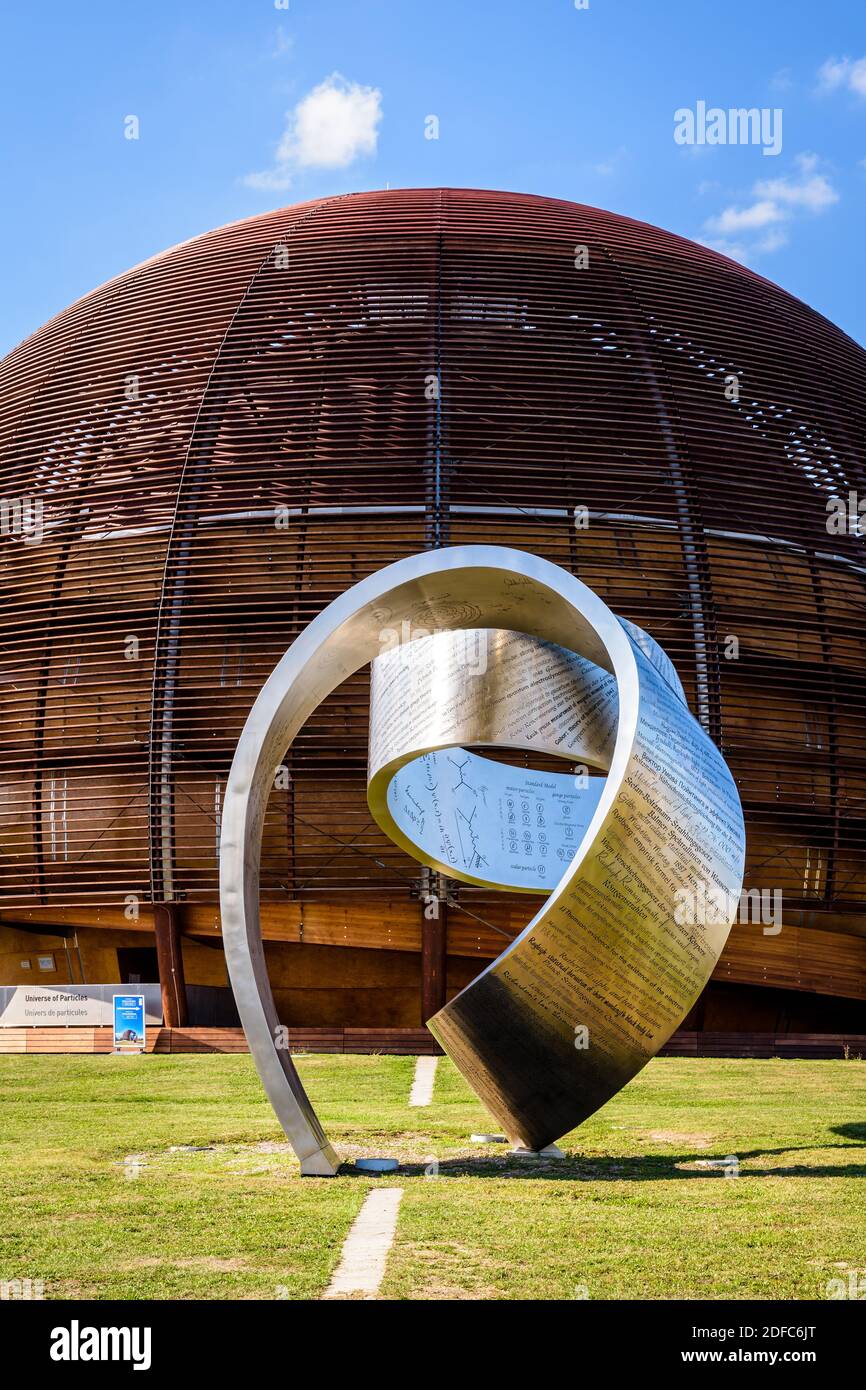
column 137, row 965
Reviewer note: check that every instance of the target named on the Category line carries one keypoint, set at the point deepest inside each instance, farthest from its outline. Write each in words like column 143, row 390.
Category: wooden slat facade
column 398, row 1041
column 227, row 436
column 409, row 1042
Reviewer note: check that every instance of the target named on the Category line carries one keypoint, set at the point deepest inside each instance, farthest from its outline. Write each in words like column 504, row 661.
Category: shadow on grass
column 643, row 1168
column 856, row 1131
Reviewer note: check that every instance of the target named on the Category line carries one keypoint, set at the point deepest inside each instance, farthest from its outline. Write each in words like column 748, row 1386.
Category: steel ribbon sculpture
column 524, row 655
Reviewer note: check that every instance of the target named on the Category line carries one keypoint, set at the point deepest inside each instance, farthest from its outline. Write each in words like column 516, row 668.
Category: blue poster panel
column 129, row 1033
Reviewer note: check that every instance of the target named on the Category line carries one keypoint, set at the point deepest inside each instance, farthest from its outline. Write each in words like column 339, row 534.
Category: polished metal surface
column 469, row 817
column 605, row 962
column 466, row 816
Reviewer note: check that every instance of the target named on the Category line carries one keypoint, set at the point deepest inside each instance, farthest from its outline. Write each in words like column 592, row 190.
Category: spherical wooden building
column 198, row 456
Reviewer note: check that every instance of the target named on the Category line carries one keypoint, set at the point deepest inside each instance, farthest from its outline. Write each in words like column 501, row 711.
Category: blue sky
column 533, row 95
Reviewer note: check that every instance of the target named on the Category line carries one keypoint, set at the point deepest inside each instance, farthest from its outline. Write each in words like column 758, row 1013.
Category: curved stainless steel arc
column 512, row 1005
column 510, row 589
column 473, row 819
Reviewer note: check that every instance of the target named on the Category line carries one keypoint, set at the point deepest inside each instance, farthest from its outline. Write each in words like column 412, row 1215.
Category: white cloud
column 332, row 126
column 837, row 73
column 773, row 241
column 606, row 168
column 813, row 191
column 283, row 43
column 746, row 252
column 774, row 202
column 268, row 179
column 735, row 249
column 760, row 214
column 833, row 73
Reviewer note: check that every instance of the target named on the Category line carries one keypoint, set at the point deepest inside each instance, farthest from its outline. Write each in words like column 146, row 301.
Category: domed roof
column 227, row 435
column 602, row 317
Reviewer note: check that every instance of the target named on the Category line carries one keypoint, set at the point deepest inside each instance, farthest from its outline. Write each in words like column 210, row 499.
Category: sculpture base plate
column 550, row 1152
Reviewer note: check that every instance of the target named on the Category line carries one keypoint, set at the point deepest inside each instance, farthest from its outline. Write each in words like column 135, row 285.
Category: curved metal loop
column 606, row 954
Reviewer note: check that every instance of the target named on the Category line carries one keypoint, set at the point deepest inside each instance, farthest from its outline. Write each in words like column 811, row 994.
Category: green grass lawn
column 107, row 1190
